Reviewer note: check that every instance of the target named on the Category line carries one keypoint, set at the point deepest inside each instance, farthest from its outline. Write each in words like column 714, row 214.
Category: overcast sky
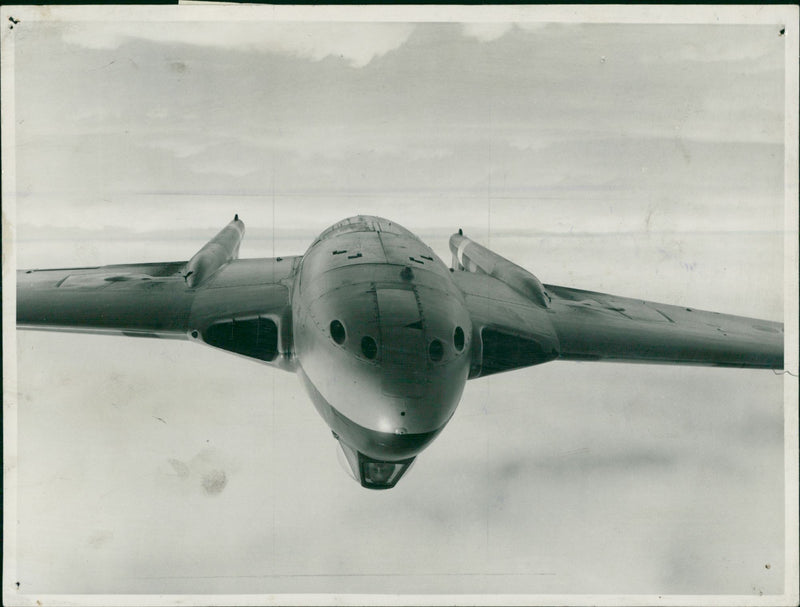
column 642, row 160
column 646, row 127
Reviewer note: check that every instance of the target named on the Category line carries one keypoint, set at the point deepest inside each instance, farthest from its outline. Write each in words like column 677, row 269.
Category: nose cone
column 379, row 442
column 387, row 366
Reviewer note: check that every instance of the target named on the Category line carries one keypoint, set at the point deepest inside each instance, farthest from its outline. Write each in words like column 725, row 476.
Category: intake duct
column 251, row 337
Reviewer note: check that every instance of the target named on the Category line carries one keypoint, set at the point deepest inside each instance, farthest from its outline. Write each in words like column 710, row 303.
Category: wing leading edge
column 243, row 306
column 514, row 329
column 597, row 326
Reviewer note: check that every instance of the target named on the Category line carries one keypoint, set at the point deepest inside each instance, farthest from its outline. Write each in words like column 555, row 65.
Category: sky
column 641, row 160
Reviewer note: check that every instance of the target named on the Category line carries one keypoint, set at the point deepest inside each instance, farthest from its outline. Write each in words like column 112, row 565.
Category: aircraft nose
column 391, row 360
column 381, row 445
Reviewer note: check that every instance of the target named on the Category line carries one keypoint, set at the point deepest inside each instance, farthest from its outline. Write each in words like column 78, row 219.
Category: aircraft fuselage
column 381, row 338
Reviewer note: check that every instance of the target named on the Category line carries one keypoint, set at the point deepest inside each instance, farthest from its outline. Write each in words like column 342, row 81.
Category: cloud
column 486, row 32
column 357, row 43
column 180, row 146
column 728, row 44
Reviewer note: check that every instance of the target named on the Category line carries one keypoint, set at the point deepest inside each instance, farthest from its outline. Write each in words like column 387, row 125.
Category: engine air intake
column 255, row 337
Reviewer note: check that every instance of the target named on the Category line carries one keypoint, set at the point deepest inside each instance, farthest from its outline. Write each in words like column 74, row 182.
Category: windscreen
column 372, row 473
column 382, row 474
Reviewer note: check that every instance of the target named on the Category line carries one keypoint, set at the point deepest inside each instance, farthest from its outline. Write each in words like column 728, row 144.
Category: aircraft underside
column 382, row 334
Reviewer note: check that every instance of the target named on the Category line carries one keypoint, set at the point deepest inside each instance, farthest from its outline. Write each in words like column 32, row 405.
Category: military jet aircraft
column 382, row 334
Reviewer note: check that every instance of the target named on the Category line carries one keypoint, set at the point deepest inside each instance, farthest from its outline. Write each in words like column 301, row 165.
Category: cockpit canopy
column 372, row 473
column 364, row 223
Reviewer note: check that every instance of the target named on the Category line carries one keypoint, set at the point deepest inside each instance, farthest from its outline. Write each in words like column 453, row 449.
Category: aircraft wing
column 596, row 326
column 239, row 305
column 518, row 322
